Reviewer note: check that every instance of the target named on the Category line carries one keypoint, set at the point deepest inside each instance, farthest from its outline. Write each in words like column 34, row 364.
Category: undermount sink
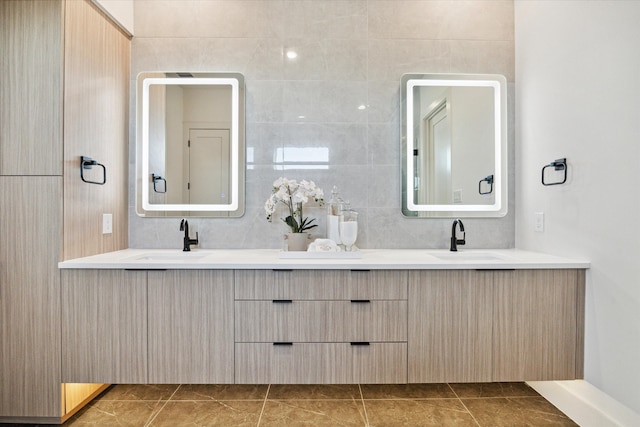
column 180, row 256
column 469, row 256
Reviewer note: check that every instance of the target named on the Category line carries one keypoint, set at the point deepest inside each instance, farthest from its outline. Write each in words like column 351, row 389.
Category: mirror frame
column 237, row 169
column 499, row 207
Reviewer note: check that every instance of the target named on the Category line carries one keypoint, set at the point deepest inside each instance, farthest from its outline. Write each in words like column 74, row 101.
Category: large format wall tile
column 332, row 114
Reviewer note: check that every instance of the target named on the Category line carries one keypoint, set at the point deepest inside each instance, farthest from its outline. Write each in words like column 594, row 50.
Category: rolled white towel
column 323, row 245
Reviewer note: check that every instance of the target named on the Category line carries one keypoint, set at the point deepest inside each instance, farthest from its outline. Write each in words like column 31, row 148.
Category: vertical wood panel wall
column 96, row 124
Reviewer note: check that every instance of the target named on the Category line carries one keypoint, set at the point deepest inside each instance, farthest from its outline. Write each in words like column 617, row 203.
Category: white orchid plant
column 293, row 195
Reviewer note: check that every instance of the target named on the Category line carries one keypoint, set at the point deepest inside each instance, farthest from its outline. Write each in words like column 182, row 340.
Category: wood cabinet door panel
column 450, row 326
column 191, row 327
column 104, row 332
column 535, row 325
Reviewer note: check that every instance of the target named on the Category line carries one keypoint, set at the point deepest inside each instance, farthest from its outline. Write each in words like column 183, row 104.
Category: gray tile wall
column 350, row 53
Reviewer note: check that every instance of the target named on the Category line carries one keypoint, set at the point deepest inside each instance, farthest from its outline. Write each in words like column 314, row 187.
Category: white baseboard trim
column 585, row 404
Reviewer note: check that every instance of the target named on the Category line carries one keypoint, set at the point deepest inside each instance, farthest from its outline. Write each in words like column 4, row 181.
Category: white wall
column 578, row 96
column 121, row 11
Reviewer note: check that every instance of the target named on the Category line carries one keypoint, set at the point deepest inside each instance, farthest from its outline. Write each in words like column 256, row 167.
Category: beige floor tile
column 514, row 412
column 220, row 392
column 324, row 391
column 316, row 413
column 139, row 392
column 116, row 413
column 236, row 413
column 415, row 413
column 493, row 390
column 406, row 391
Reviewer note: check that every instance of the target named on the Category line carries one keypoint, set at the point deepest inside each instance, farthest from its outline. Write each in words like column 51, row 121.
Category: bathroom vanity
column 393, row 316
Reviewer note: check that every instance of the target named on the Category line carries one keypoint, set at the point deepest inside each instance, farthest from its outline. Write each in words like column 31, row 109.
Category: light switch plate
column 107, row 223
column 538, row 224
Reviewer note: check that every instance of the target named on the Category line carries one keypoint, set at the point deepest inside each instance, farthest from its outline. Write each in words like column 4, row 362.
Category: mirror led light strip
column 413, row 83
column 235, row 100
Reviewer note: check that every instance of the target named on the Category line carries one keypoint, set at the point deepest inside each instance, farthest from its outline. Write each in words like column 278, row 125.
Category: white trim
column 585, row 404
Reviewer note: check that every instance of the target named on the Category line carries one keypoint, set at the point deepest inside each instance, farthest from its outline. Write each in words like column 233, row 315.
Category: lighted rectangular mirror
column 190, row 151
column 454, row 145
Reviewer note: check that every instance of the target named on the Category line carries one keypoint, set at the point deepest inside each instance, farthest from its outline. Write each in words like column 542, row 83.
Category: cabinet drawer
column 321, row 363
column 321, row 284
column 321, row 321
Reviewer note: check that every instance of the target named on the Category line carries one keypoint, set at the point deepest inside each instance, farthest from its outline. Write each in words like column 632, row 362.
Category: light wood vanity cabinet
column 450, row 326
column 517, row 325
column 320, row 326
column 538, row 325
column 104, row 326
column 190, row 326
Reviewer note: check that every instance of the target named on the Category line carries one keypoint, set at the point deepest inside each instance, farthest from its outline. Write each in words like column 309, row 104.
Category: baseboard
column 585, row 404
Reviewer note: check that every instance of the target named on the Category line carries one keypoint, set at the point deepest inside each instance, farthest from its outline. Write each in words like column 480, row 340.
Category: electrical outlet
column 538, row 222
column 107, row 223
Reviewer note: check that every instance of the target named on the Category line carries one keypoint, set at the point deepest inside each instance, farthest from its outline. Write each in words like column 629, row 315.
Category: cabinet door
column 104, row 326
column 191, row 326
column 30, row 229
column 31, row 87
column 450, row 323
column 536, row 336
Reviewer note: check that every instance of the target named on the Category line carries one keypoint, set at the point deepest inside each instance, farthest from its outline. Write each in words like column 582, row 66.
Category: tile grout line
column 154, row 416
column 463, row 405
column 264, row 403
column 364, row 407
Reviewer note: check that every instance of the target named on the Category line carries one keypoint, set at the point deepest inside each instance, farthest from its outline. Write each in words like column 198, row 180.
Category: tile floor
column 493, row 404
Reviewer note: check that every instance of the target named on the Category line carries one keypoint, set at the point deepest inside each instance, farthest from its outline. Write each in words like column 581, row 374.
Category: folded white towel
column 323, row 245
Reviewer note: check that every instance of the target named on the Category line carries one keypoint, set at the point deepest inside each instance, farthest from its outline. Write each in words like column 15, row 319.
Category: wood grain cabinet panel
column 450, row 326
column 321, row 284
column 191, row 327
column 321, row 363
column 30, row 296
column 538, row 325
column 321, row 326
column 321, row 321
column 31, row 42
column 104, row 326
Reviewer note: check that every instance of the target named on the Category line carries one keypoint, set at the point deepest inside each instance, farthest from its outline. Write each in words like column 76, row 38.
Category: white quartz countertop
column 371, row 259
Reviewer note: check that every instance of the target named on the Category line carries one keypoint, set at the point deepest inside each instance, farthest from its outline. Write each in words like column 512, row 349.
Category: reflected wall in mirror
column 454, row 145
column 191, row 150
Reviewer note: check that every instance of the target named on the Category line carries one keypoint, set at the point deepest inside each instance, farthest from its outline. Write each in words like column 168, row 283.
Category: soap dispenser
column 333, row 216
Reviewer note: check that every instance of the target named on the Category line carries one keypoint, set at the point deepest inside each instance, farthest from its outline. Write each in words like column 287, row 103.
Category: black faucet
column 454, row 240
column 188, row 241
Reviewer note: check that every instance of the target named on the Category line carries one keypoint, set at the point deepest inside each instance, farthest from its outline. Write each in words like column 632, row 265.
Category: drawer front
column 320, row 321
column 321, row 363
column 321, row 284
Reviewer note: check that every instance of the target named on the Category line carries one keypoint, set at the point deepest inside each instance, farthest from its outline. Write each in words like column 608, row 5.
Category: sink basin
column 469, row 256
column 181, row 256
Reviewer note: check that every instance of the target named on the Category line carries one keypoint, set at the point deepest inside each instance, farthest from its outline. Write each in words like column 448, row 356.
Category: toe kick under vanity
column 393, row 316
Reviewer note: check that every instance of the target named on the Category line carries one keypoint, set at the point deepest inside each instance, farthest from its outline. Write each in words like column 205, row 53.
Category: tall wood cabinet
column 63, row 94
